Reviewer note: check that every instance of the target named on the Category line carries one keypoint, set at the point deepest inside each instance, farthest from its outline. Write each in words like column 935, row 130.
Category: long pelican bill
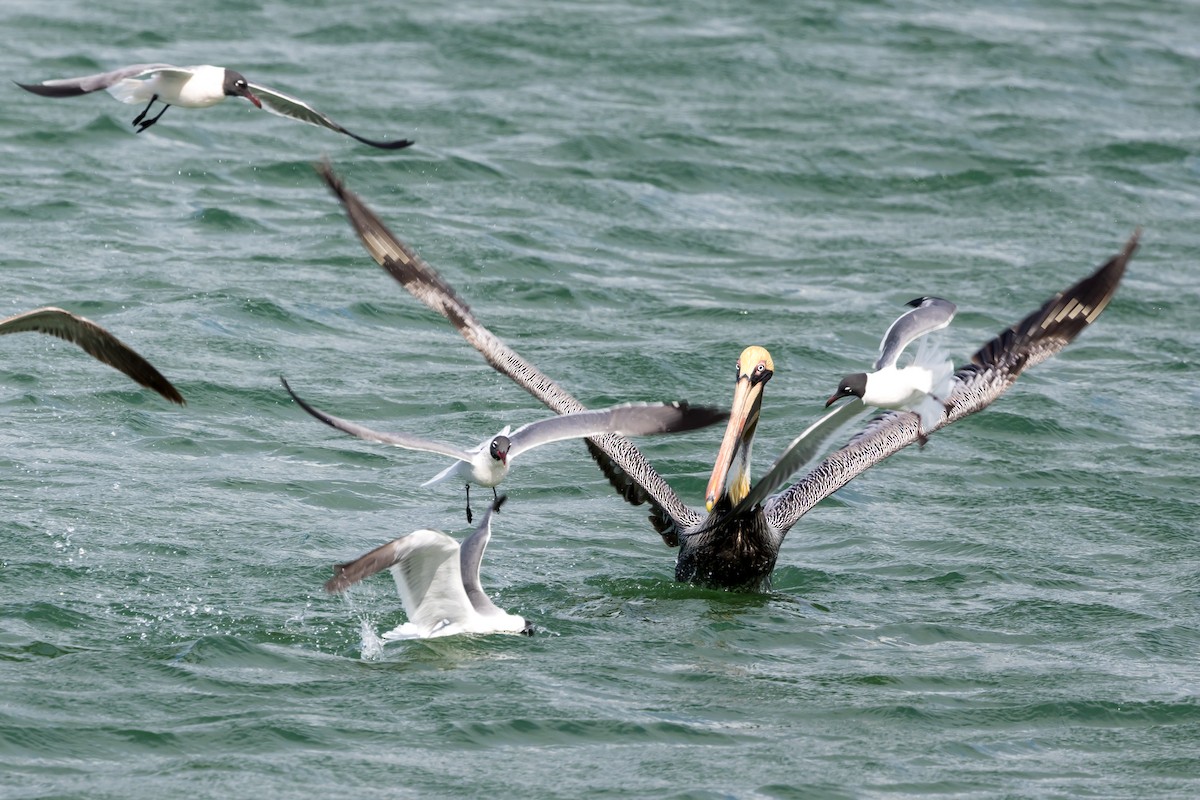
column 754, row 369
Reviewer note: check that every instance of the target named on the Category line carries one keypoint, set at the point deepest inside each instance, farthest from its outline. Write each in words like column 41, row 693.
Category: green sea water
column 628, row 193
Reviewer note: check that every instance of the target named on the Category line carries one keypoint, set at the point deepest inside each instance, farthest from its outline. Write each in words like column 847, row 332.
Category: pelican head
column 235, row 85
column 731, row 473
column 851, row 385
column 499, row 448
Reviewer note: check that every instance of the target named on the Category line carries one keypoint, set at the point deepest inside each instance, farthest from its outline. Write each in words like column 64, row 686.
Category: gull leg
column 470, row 516
column 150, row 122
column 145, row 110
column 922, row 436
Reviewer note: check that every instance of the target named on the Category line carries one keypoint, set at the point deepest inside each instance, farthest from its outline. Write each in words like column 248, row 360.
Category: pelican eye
column 761, row 373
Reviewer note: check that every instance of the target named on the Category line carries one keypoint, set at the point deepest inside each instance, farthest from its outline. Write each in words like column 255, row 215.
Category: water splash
column 371, row 648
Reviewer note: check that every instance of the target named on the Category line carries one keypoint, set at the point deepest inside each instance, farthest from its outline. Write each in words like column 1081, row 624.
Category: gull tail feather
column 932, row 356
column 932, row 410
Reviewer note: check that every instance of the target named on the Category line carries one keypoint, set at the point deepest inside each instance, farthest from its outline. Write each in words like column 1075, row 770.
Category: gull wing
column 470, row 557
column 625, row 467
column 285, row 105
column 429, row 580
column 73, row 87
column 930, row 314
column 363, row 567
column 992, row 370
column 398, row 439
column 425, row 564
column 96, row 342
column 632, row 419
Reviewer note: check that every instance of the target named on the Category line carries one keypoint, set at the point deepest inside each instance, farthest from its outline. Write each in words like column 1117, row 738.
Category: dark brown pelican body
column 735, row 545
column 736, row 553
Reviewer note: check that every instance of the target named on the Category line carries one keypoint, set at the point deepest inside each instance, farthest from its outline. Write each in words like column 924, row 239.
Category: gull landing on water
column 922, row 386
column 96, row 342
column 438, row 582
column 191, row 87
column 488, row 463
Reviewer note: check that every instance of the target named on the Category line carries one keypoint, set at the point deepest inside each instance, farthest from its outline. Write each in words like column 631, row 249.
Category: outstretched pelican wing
column 992, row 370
column 621, row 462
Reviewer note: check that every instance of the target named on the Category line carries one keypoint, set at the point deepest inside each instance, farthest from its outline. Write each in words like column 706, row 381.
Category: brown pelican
column 96, row 342
column 736, row 543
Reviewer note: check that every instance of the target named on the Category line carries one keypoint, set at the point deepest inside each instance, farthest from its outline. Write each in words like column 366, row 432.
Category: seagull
column 736, row 543
column 438, row 581
column 487, row 464
column 921, row 386
column 96, row 342
column 191, row 87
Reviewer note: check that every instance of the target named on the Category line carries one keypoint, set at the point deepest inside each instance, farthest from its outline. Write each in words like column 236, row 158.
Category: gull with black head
column 923, row 385
column 488, row 463
column 191, row 87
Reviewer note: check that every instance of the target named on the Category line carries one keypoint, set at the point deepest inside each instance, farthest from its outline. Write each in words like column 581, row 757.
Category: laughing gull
column 922, row 386
column 438, row 582
column 191, row 87
column 488, row 463
column 96, row 342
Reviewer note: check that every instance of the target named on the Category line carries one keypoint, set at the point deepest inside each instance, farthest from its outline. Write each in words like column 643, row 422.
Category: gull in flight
column 191, row 87
column 922, row 386
column 488, row 463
